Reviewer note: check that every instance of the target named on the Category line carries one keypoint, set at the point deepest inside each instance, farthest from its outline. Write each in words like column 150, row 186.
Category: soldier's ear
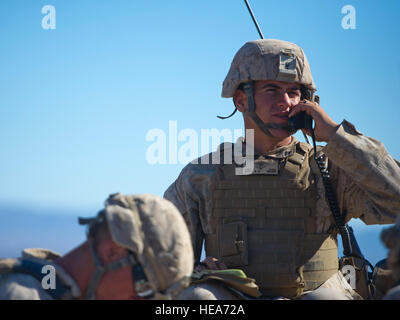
column 240, row 100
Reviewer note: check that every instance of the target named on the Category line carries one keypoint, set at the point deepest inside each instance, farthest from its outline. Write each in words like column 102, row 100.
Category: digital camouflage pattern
column 268, row 59
column 365, row 176
column 157, row 235
column 148, row 225
column 229, row 210
column 22, row 286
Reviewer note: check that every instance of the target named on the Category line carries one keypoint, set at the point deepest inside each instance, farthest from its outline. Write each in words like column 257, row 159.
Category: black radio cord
column 342, row 227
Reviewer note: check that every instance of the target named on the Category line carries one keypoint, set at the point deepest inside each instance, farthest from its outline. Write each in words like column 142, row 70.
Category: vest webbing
column 265, row 225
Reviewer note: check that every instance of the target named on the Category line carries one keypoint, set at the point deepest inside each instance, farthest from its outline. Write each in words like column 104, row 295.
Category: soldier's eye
column 294, row 93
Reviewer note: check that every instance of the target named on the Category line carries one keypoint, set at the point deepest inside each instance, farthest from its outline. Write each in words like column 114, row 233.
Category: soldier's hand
column 212, row 264
column 325, row 127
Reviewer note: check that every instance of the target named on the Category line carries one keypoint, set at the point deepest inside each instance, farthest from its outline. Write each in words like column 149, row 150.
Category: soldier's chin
column 280, row 131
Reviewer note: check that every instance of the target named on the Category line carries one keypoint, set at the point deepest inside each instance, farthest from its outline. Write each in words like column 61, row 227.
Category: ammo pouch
column 232, row 237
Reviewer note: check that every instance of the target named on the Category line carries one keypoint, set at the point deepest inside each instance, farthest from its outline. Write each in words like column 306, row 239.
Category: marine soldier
column 391, row 238
column 274, row 222
column 137, row 247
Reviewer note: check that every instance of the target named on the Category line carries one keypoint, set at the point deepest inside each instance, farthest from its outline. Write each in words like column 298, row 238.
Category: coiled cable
column 343, row 228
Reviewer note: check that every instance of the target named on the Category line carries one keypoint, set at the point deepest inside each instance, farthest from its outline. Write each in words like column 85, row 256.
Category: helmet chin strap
column 100, row 268
column 143, row 287
column 223, row 118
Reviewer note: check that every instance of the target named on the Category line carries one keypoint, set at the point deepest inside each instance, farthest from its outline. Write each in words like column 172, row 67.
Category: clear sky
column 77, row 101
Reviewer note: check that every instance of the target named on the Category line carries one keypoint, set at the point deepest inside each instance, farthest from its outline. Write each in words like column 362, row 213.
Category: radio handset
column 302, row 120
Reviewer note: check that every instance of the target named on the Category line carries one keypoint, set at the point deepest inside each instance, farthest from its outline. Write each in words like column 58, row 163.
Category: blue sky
column 77, row 102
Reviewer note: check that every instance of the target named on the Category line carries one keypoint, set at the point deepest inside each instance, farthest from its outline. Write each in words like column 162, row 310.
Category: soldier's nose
column 285, row 103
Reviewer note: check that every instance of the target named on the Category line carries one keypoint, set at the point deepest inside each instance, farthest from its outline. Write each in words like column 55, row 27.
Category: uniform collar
column 278, row 153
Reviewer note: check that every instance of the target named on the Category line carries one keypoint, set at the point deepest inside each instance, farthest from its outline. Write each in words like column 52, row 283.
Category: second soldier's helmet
column 154, row 232
column 268, row 59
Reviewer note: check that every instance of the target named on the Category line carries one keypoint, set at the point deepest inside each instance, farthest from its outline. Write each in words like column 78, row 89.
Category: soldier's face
column 274, row 100
column 117, row 284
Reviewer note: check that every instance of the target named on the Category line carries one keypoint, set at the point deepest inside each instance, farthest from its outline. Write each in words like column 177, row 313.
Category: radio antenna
column 262, row 37
column 254, row 19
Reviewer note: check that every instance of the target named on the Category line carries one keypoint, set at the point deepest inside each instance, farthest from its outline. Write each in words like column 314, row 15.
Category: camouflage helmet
column 154, row 232
column 268, row 59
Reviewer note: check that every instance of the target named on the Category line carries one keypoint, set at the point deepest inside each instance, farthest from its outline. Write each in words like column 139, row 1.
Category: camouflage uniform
column 366, row 178
column 23, row 286
column 149, row 227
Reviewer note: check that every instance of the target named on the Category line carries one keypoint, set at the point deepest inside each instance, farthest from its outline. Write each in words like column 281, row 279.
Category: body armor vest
column 264, row 224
